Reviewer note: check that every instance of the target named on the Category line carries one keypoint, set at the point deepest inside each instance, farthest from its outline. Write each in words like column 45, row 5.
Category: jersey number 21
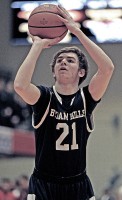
column 66, row 147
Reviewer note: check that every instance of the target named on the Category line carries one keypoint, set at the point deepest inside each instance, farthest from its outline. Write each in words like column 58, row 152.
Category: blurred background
column 101, row 21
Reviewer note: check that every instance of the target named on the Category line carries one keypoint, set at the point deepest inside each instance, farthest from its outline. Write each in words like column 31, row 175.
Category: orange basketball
column 44, row 22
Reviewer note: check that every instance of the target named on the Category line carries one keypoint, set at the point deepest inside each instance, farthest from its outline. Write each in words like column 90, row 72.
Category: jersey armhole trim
column 44, row 116
column 84, row 102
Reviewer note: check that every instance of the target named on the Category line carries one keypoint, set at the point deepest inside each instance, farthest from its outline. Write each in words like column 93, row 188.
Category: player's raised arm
column 100, row 80
column 22, row 83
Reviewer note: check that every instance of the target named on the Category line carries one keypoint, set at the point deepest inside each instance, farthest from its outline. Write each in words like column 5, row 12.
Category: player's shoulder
column 43, row 88
column 88, row 95
column 85, row 89
column 86, row 92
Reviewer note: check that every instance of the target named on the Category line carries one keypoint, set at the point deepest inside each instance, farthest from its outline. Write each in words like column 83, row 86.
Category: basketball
column 44, row 22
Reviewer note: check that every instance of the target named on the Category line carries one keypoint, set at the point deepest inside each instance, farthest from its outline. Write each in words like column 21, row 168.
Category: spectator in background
column 13, row 110
column 23, row 185
column 6, row 190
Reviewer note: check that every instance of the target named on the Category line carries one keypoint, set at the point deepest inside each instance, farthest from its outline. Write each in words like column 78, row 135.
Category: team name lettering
column 59, row 115
column 66, row 116
column 77, row 114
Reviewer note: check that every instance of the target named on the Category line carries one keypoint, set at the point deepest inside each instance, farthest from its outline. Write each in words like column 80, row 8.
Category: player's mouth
column 63, row 69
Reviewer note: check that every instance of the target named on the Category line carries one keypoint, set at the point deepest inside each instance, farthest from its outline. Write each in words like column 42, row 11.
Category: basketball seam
column 46, row 26
column 61, row 34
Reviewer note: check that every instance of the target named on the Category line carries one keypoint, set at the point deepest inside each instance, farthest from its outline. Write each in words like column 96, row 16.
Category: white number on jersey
column 65, row 127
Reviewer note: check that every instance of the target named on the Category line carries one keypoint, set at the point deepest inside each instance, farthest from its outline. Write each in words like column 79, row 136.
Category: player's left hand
column 67, row 19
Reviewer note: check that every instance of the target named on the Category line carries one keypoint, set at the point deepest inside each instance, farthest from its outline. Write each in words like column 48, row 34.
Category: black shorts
column 53, row 188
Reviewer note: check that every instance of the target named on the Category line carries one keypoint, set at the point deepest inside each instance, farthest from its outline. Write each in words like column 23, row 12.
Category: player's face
column 66, row 69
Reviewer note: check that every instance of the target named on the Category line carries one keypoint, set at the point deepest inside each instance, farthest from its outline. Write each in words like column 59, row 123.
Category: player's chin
column 64, row 74
column 64, row 78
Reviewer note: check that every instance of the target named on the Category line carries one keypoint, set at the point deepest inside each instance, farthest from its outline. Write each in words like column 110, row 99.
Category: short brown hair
column 83, row 64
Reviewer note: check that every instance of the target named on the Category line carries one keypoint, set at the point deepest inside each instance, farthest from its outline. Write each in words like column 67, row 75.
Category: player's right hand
column 45, row 43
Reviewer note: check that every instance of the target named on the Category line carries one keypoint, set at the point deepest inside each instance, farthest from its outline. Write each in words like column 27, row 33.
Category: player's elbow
column 110, row 68
column 18, row 87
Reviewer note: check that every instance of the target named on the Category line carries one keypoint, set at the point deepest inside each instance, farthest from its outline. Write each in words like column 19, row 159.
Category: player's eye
column 70, row 61
column 59, row 60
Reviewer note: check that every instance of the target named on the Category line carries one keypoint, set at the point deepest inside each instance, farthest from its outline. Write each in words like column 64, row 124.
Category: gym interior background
column 105, row 144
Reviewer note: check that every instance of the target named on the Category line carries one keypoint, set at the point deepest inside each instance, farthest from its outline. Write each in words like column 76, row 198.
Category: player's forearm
column 97, row 54
column 26, row 70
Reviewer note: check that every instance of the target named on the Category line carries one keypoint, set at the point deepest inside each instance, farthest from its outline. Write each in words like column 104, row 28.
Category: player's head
column 83, row 64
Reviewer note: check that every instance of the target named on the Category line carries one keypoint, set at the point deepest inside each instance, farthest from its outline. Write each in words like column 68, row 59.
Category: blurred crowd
column 14, row 190
column 14, row 112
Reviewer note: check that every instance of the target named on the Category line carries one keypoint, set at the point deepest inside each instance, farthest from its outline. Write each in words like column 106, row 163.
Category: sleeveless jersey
column 61, row 132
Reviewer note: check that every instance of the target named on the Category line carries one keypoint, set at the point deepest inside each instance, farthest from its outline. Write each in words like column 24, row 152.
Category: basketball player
column 62, row 115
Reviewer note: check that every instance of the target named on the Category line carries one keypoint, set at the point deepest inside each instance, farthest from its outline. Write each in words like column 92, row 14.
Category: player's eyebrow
column 60, row 57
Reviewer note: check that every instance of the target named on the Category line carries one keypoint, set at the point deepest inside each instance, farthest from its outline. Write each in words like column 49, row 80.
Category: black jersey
column 62, row 131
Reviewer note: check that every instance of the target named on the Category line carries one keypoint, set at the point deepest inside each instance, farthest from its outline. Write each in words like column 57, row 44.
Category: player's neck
column 66, row 89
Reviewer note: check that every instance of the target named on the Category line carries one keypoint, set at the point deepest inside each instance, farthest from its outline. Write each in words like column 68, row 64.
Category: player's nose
column 64, row 61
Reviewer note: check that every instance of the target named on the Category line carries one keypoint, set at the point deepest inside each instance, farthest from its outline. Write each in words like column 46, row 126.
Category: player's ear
column 81, row 72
